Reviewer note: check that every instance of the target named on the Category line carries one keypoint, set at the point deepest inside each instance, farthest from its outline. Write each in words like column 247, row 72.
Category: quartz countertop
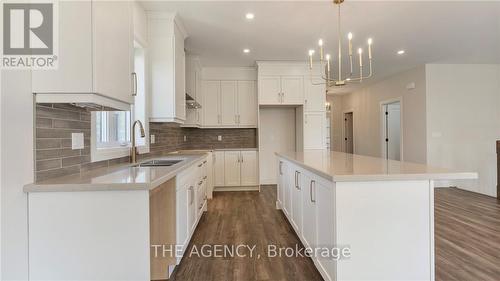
column 343, row 167
column 119, row 177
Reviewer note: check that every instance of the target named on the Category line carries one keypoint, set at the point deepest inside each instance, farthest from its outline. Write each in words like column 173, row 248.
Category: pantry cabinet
column 229, row 104
column 314, row 130
column 315, row 94
column 95, row 51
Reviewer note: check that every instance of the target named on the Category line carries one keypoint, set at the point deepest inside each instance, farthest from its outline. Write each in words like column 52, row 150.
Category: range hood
column 192, row 103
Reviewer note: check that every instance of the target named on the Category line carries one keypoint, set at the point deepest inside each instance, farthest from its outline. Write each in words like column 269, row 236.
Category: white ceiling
column 429, row 31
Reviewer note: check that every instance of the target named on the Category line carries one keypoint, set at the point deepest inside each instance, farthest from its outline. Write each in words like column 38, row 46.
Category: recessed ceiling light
column 250, row 16
column 401, row 52
column 246, row 51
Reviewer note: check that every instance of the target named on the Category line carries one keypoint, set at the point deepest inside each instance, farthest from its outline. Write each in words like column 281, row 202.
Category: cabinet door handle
column 280, row 168
column 201, row 164
column 297, row 185
column 310, row 191
column 134, row 84
column 242, row 160
column 191, row 195
column 205, row 161
column 200, row 182
column 205, row 177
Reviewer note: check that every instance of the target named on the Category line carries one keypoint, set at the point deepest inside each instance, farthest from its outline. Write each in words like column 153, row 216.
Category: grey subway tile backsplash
column 55, row 123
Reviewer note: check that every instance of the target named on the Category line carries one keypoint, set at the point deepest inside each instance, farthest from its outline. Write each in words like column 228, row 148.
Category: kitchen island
column 381, row 210
column 126, row 222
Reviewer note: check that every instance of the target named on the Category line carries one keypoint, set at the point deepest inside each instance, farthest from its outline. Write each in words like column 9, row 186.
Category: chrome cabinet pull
column 310, row 191
column 297, row 184
column 201, row 164
column 134, row 84
column 200, row 182
column 280, row 168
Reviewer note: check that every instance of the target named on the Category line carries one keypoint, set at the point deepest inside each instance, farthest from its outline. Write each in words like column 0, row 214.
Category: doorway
column 391, row 130
column 348, row 132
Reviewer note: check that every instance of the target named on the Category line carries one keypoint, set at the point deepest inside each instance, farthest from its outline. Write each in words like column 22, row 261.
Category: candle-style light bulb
column 328, row 65
column 349, row 36
column 311, row 53
column 370, row 42
column 360, row 52
column 320, row 44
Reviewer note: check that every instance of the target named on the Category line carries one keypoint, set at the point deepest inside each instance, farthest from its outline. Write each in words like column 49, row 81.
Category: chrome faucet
column 133, row 151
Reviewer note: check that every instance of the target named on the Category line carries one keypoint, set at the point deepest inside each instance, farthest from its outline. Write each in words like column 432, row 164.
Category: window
column 112, row 128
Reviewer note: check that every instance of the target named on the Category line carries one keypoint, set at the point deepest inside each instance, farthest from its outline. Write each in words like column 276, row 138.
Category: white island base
column 378, row 209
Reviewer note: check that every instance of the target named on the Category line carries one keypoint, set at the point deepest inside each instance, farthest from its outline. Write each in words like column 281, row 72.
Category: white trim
column 382, row 126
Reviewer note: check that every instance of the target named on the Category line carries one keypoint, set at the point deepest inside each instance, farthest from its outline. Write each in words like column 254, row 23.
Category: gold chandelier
column 326, row 61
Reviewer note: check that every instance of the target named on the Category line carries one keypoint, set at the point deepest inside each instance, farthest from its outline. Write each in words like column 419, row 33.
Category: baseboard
column 236, row 188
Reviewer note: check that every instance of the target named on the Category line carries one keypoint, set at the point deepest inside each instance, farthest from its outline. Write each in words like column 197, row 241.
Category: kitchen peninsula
column 383, row 210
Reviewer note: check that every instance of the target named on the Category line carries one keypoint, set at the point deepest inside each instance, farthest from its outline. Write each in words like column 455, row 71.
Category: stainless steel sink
column 159, row 163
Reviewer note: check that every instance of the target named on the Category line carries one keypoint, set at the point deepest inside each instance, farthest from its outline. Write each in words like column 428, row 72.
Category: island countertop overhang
column 343, row 167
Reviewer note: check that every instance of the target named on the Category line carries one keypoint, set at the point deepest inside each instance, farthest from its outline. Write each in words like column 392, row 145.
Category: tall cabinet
column 167, row 65
column 285, row 86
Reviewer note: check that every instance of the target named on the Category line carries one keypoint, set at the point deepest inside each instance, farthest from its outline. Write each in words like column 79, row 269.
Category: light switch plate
column 219, row 138
column 152, row 138
column 76, row 141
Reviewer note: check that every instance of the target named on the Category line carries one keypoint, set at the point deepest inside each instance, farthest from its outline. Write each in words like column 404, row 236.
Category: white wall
column 463, row 121
column 17, row 170
column 276, row 133
column 365, row 104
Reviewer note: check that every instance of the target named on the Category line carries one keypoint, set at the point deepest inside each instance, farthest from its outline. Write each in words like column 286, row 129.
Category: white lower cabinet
column 191, row 200
column 307, row 202
column 219, row 175
column 235, row 168
column 232, row 168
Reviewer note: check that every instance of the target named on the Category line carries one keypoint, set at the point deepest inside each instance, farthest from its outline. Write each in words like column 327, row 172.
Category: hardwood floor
column 251, row 218
column 467, row 235
column 467, row 239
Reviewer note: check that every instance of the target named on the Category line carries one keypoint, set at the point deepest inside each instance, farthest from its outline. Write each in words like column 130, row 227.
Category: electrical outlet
column 152, row 138
column 76, row 141
column 219, row 138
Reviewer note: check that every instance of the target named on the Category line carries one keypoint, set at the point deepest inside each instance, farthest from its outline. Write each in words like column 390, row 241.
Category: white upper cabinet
column 95, row 51
column 315, row 94
column 292, row 89
column 270, row 90
column 167, row 65
column 229, row 97
column 74, row 73
column 229, row 104
column 288, row 90
column 211, row 103
column 247, row 103
column 112, row 28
